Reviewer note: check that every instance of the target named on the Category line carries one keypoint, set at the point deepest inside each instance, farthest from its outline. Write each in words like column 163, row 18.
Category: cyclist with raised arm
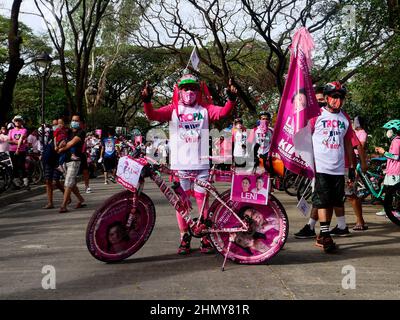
column 189, row 116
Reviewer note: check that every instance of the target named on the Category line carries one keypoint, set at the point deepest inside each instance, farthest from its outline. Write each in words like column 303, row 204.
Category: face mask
column 55, row 127
column 334, row 104
column 238, row 126
column 3, row 132
column 188, row 97
column 75, row 125
column 389, row 134
column 263, row 125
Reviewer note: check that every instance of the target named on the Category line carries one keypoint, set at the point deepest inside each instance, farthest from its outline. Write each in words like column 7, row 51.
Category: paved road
column 31, row 238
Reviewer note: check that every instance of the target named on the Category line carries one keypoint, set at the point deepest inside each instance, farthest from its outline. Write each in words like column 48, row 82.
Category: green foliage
column 27, row 100
column 375, row 93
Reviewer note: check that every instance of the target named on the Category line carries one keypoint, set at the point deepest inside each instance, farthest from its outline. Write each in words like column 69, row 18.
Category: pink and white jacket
column 189, row 131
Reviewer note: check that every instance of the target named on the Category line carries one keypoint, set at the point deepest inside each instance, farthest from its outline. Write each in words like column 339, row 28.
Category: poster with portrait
column 250, row 188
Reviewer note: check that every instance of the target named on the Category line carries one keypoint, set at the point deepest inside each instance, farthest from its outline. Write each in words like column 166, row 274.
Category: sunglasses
column 189, row 88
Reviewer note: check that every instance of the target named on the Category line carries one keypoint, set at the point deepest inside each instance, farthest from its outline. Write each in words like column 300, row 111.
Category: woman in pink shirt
column 392, row 177
column 360, row 132
column 18, row 146
column 189, row 116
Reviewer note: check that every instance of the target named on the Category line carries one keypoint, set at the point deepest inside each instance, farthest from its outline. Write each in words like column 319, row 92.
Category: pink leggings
column 198, row 193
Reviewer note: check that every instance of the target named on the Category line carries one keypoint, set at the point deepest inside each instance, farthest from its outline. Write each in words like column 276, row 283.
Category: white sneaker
column 381, row 213
column 106, row 182
column 88, row 190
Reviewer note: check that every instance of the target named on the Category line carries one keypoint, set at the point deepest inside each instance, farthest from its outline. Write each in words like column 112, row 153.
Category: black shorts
column 110, row 163
column 84, row 164
column 51, row 173
column 328, row 192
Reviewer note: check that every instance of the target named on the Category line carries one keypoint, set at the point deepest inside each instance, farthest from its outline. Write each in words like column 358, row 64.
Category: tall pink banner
column 292, row 134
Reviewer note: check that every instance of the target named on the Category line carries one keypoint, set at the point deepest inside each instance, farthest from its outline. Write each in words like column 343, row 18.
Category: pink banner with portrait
column 292, row 134
column 250, row 188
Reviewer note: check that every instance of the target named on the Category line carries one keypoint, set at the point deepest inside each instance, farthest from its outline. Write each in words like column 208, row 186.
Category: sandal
column 80, row 205
column 48, row 206
column 360, row 227
column 63, row 210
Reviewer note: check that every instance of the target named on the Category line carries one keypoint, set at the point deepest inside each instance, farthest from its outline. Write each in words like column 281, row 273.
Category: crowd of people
column 65, row 152
column 338, row 144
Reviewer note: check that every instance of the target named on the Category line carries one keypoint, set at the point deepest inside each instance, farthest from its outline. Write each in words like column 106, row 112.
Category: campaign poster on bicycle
column 250, row 188
column 128, row 172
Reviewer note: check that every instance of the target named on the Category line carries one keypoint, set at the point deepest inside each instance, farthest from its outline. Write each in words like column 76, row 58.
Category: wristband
column 147, row 99
column 391, row 156
column 231, row 96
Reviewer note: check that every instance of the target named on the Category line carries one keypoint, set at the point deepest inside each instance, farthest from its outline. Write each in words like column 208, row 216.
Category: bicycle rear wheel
column 106, row 236
column 392, row 205
column 267, row 234
column 5, row 177
column 37, row 175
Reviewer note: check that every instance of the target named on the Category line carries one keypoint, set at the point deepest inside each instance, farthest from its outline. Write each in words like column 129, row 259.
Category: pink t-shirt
column 393, row 166
column 362, row 136
column 15, row 134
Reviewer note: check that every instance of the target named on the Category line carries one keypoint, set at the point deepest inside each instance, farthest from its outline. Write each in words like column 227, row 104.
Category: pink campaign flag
column 292, row 133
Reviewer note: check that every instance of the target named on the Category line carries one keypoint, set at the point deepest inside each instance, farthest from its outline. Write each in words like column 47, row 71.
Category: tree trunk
column 16, row 63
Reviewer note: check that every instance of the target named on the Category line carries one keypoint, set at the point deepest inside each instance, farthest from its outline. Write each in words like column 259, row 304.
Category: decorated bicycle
column 243, row 231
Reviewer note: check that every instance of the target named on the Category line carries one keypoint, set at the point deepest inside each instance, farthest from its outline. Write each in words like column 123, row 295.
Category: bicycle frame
column 258, row 234
column 177, row 202
column 367, row 182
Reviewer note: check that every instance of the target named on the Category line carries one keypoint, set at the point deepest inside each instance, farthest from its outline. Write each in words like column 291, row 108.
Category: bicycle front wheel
column 267, row 234
column 291, row 183
column 108, row 239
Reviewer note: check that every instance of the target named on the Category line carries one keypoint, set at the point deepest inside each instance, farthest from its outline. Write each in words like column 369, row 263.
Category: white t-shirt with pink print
column 330, row 132
column 188, row 129
column 189, row 136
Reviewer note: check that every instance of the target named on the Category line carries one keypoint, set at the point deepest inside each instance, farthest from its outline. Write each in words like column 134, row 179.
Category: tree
column 123, row 84
column 77, row 25
column 15, row 62
column 375, row 92
column 227, row 32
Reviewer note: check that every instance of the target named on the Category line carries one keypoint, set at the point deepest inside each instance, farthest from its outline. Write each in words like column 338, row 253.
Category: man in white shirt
column 239, row 143
column 332, row 141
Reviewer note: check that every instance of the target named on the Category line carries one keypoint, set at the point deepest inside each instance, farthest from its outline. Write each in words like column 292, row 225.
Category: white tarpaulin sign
column 128, row 172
